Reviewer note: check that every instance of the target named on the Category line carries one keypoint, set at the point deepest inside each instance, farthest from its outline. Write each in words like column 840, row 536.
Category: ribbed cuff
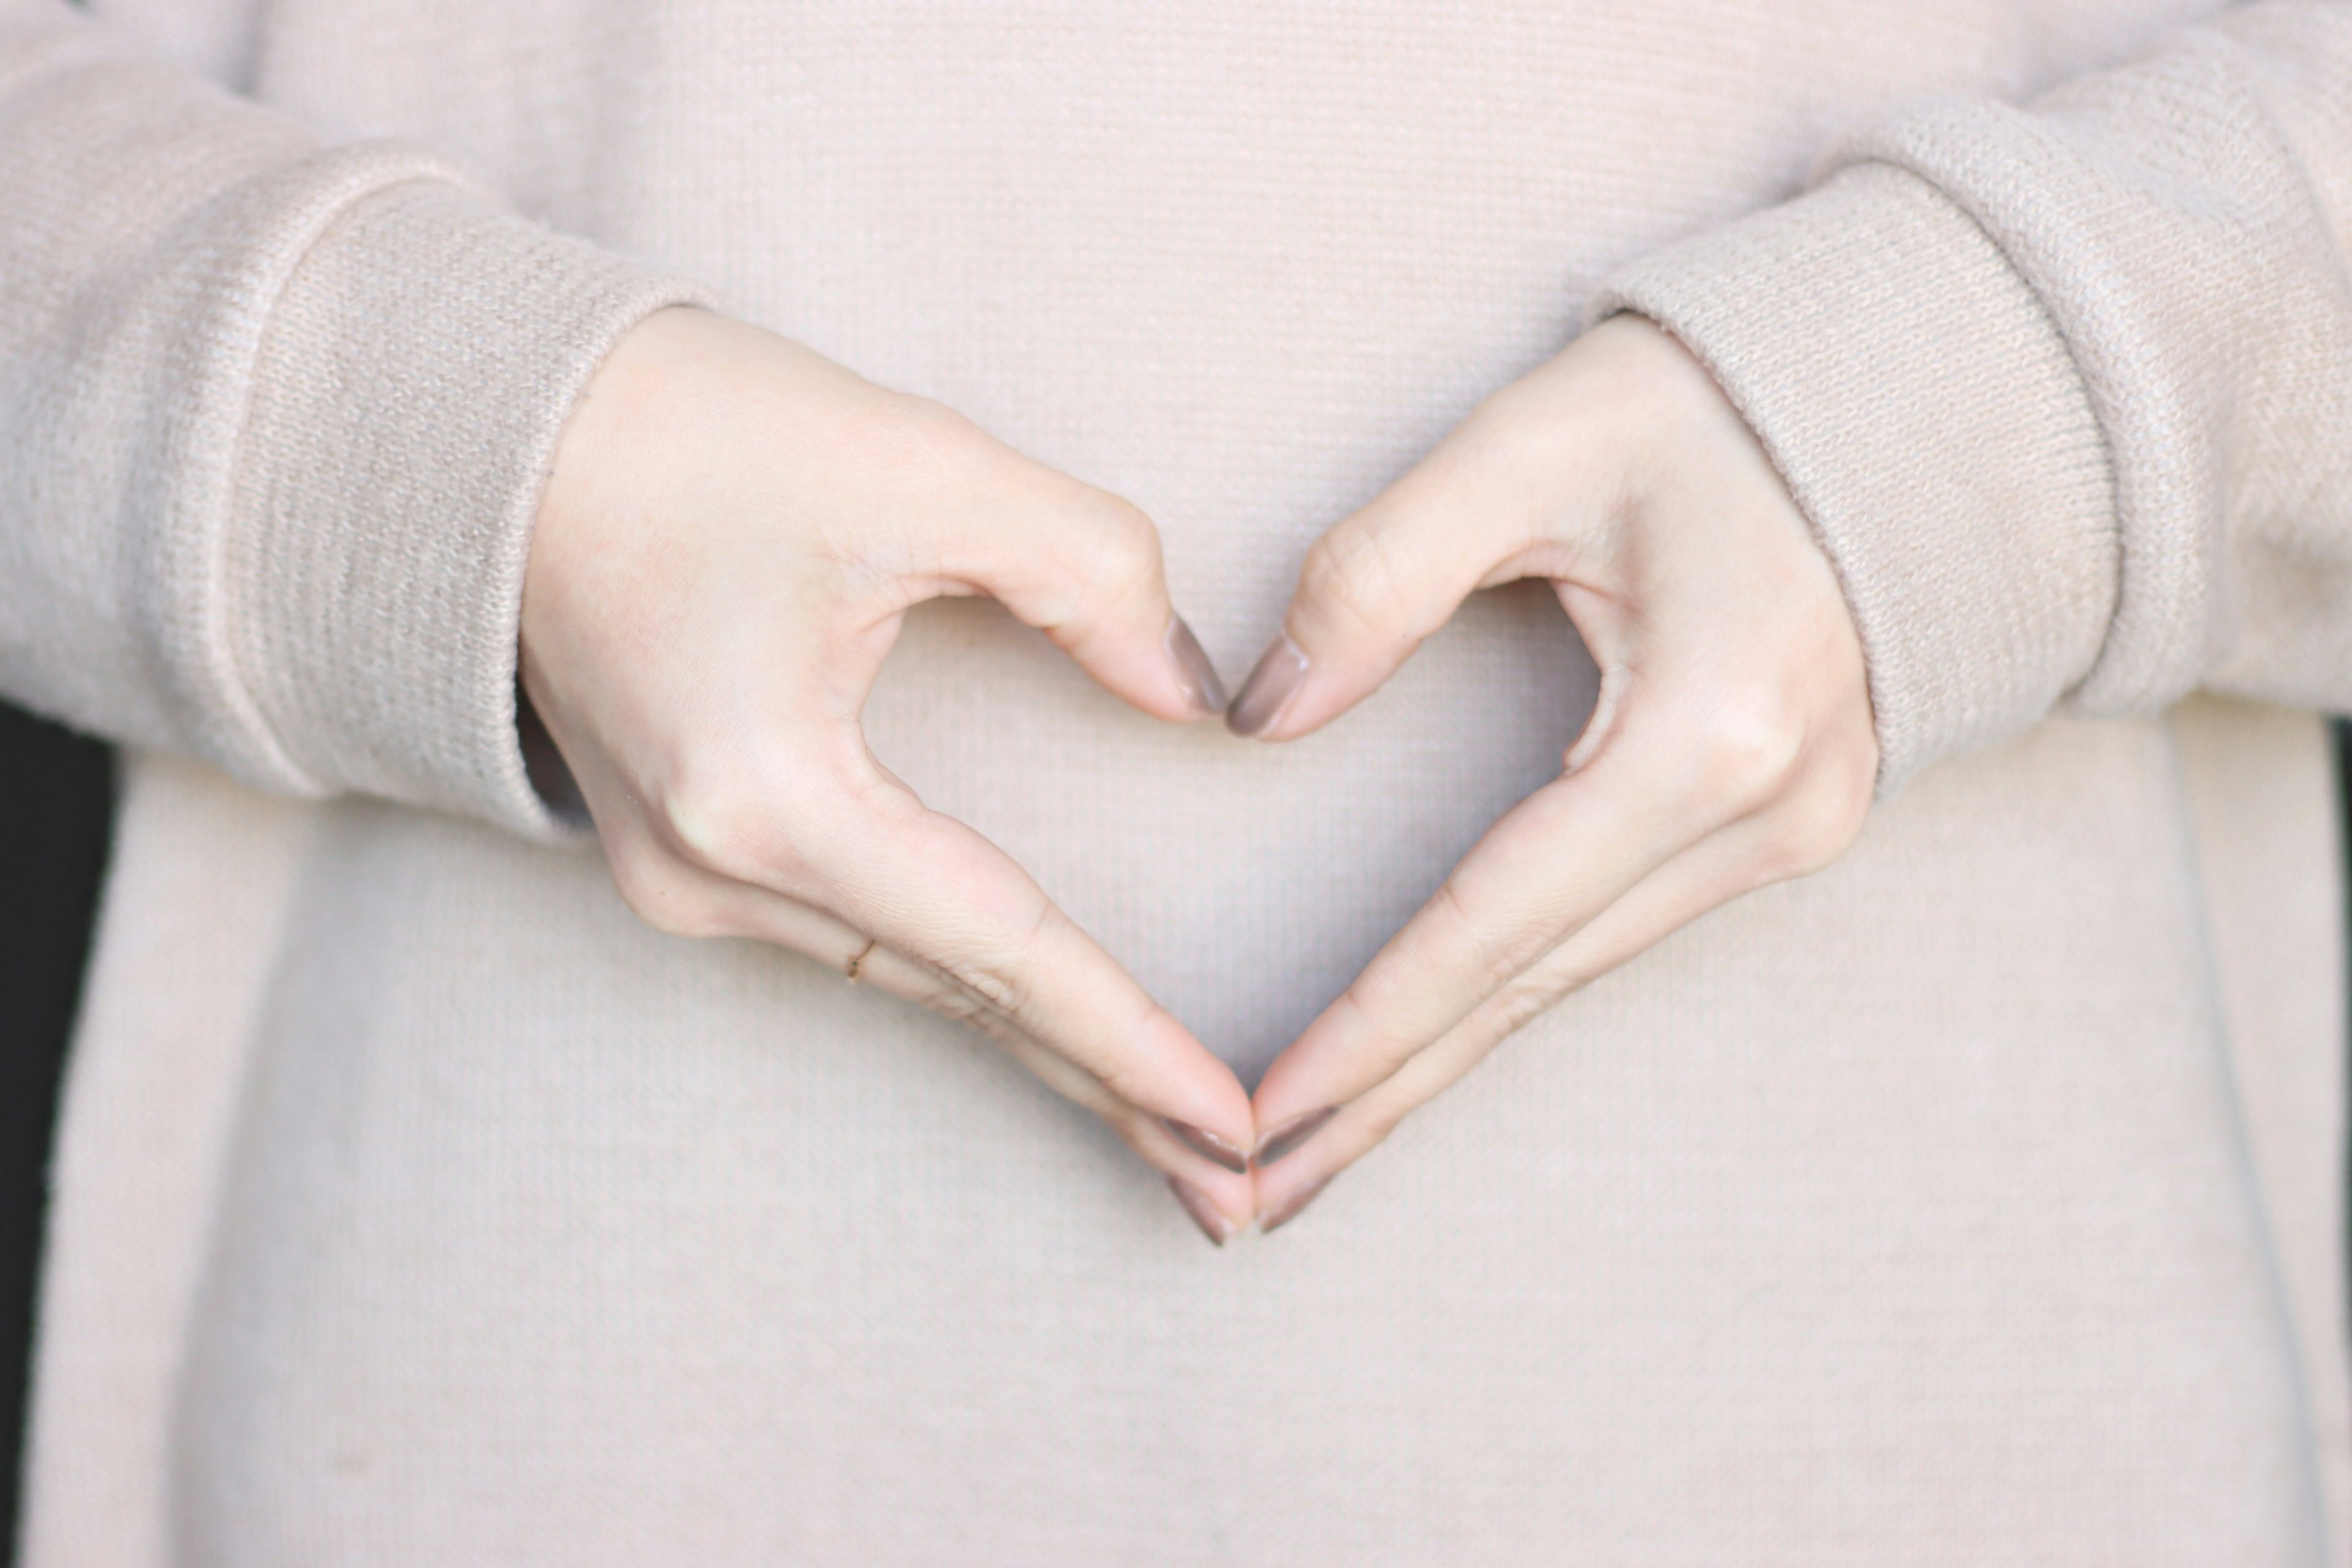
column 410, row 388
column 1931, row 424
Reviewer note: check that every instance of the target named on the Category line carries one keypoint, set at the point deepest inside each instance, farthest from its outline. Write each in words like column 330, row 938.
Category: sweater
column 1978, row 1199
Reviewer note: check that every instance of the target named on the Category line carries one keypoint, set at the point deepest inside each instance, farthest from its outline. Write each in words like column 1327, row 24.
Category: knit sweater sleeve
column 274, row 418
column 2066, row 389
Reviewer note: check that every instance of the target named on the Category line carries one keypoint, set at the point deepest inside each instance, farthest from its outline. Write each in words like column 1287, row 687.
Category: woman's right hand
column 733, row 531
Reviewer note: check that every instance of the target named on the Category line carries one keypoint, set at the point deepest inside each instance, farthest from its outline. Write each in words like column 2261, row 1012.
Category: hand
column 732, row 534
column 1731, row 745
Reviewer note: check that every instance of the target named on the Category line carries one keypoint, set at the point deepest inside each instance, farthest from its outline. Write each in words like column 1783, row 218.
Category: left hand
column 733, row 531
column 1731, row 746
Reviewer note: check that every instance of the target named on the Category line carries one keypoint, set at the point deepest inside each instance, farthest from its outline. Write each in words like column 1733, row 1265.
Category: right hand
column 732, row 533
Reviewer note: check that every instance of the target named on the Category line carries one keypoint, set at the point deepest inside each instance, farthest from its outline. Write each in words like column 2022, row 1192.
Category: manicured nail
column 1286, row 1211
column 1208, row 1145
column 1280, row 670
column 1214, row 1223
column 1292, row 1134
column 1200, row 683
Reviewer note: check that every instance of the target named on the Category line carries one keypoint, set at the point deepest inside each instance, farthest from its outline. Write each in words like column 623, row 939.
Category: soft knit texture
column 1977, row 1200
column 2173, row 235
column 242, row 350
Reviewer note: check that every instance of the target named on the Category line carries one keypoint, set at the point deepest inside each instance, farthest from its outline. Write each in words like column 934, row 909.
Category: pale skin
column 731, row 535
column 1731, row 747
column 735, row 528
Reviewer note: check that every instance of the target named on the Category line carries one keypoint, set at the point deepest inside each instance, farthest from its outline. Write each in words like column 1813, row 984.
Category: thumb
column 1085, row 567
column 1379, row 582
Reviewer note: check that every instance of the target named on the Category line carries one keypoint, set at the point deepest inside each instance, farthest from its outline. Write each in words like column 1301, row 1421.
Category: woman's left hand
column 1731, row 746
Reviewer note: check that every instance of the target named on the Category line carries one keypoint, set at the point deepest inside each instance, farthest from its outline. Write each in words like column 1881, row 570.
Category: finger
column 1354, row 1130
column 1681, row 890
column 1222, row 1199
column 1796, row 836
column 1547, row 867
column 686, row 899
column 1085, row 567
column 1219, row 1201
column 1484, row 507
column 1361, row 1125
column 1219, row 1198
column 930, row 888
column 868, row 854
column 915, row 981
column 1703, row 877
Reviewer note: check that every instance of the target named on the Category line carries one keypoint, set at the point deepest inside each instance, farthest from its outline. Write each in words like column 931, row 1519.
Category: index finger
column 932, row 888
column 1546, row 868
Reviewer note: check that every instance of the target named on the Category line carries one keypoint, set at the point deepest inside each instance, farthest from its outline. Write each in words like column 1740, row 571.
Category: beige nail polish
column 1280, row 671
column 1207, row 1144
column 1200, row 683
column 1292, row 1134
column 1214, row 1223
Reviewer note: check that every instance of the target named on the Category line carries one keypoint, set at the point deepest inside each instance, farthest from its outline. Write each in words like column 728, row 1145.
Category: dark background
column 57, row 802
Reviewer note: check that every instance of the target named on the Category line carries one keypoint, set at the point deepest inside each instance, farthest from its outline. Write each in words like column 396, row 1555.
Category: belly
column 1898, row 1215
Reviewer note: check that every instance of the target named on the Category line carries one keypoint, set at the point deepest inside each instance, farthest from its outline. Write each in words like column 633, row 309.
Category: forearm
column 2061, row 388
column 274, row 416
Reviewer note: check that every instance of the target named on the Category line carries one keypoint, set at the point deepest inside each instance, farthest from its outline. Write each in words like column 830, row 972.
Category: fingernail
column 1286, row 1211
column 1200, row 682
column 1292, row 1134
column 1214, row 1223
column 1208, row 1145
column 1271, row 685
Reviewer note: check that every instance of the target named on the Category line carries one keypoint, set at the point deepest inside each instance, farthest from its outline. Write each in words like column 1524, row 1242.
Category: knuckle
column 728, row 819
column 1127, row 546
column 1351, row 569
column 711, row 822
column 921, row 445
column 1824, row 816
column 1523, row 1003
column 989, row 984
column 931, row 987
column 998, row 975
column 660, row 894
column 1750, row 756
column 1517, row 431
column 923, row 424
column 1496, row 961
column 955, row 1001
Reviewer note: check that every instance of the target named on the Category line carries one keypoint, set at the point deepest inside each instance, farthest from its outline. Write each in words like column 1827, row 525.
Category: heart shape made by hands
column 1244, row 885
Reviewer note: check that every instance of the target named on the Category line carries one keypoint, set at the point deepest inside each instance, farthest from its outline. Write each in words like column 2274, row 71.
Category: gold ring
column 858, row 960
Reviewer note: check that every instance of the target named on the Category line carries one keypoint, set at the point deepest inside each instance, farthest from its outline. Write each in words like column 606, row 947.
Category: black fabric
column 56, row 811
column 2342, row 728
